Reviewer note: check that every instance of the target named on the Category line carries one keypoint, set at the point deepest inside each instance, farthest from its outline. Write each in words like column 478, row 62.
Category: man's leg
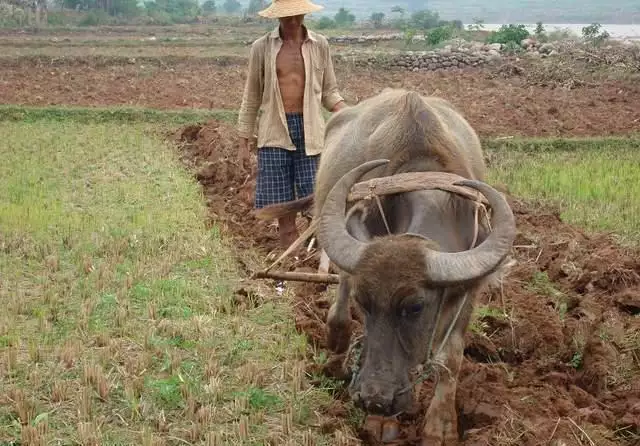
column 288, row 230
column 304, row 166
column 274, row 185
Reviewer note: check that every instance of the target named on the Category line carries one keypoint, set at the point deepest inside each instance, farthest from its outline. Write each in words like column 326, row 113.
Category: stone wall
column 459, row 54
column 446, row 58
column 450, row 57
column 347, row 40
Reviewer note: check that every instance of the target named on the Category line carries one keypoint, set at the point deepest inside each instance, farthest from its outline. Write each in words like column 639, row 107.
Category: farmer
column 291, row 77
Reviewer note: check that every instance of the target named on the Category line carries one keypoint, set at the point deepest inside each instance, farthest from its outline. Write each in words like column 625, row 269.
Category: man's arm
column 252, row 96
column 331, row 98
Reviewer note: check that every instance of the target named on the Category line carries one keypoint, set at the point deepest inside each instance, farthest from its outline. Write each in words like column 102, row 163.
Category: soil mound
column 553, row 356
column 211, row 151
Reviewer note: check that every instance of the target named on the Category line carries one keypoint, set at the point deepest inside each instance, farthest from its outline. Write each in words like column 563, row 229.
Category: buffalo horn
column 450, row 268
column 343, row 249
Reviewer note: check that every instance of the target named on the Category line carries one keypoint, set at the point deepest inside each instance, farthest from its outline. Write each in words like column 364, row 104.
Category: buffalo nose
column 376, row 407
column 377, row 400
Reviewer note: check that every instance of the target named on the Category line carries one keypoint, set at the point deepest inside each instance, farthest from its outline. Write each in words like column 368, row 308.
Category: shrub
column 377, row 18
column 95, row 18
column 512, row 48
column 425, row 19
column 344, row 18
column 325, row 23
column 409, row 33
column 508, row 33
column 540, row 33
column 438, row 35
column 592, row 35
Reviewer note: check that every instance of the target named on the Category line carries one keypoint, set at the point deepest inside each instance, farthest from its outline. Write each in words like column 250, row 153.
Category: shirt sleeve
column 330, row 94
column 252, row 96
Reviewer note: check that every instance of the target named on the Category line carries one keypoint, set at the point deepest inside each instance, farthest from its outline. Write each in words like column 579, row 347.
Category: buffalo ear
column 355, row 224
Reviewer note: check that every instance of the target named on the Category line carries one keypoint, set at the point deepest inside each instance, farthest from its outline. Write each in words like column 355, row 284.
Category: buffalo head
column 399, row 282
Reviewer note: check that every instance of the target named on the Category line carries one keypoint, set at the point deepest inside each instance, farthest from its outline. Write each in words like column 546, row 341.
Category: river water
column 617, row 32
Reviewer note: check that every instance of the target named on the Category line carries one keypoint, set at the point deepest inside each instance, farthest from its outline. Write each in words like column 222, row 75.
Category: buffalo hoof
column 435, row 440
column 381, row 429
column 440, row 430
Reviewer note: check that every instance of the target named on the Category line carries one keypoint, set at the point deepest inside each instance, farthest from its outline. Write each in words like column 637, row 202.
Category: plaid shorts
column 286, row 175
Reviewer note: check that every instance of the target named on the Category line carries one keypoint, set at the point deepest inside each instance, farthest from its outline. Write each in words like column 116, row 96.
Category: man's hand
column 243, row 154
column 339, row 106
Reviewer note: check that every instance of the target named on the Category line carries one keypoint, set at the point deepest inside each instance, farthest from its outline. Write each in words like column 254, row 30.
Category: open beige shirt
column 262, row 89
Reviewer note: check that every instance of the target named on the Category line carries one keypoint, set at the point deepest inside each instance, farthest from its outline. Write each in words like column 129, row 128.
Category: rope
column 432, row 360
column 384, row 218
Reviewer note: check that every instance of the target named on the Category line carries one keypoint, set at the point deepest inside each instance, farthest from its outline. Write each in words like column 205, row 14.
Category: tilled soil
column 554, row 355
column 496, row 101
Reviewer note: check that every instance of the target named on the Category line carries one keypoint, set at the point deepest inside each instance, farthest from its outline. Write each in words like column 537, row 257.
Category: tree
column 398, row 10
column 209, row 6
column 478, row 25
column 255, row 6
column 425, row 19
column 325, row 23
column 232, row 6
column 540, row 32
column 592, row 34
column 377, row 18
column 398, row 22
column 344, row 17
column 124, row 7
column 173, row 10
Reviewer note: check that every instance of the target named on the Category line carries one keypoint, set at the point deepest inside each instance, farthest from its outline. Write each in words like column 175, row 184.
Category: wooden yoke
column 412, row 181
column 367, row 190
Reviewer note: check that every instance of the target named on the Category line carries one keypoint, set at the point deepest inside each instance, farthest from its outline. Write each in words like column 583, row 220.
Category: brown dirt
column 566, row 354
column 494, row 104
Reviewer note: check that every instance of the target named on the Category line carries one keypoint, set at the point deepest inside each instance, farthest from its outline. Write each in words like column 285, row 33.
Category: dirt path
column 558, row 347
column 495, row 105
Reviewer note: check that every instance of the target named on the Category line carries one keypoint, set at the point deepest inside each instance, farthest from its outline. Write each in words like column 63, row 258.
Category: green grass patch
column 537, row 146
column 595, row 182
column 97, row 115
column 119, row 323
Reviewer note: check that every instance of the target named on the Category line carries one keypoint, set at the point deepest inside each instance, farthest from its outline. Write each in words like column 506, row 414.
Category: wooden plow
column 369, row 190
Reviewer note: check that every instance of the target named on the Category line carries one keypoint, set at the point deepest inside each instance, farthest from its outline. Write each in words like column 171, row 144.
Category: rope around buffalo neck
column 432, row 360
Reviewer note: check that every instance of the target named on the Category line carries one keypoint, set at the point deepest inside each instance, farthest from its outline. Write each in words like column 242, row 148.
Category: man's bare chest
column 290, row 61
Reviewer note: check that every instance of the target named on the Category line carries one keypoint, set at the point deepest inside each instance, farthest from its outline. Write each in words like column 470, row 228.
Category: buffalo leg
column 324, row 262
column 441, row 421
column 339, row 320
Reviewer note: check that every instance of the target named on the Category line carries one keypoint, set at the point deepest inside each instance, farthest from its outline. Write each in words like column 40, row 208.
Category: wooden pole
column 297, row 276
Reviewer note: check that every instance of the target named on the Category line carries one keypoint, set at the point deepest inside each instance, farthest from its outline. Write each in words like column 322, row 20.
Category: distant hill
column 502, row 11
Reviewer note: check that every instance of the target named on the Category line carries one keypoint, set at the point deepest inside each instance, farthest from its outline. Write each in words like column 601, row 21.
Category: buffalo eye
column 412, row 309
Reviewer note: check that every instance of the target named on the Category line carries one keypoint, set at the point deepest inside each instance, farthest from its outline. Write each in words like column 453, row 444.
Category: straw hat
column 288, row 8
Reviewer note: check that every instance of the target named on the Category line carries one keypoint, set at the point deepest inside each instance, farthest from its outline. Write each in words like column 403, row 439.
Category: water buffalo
column 417, row 274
